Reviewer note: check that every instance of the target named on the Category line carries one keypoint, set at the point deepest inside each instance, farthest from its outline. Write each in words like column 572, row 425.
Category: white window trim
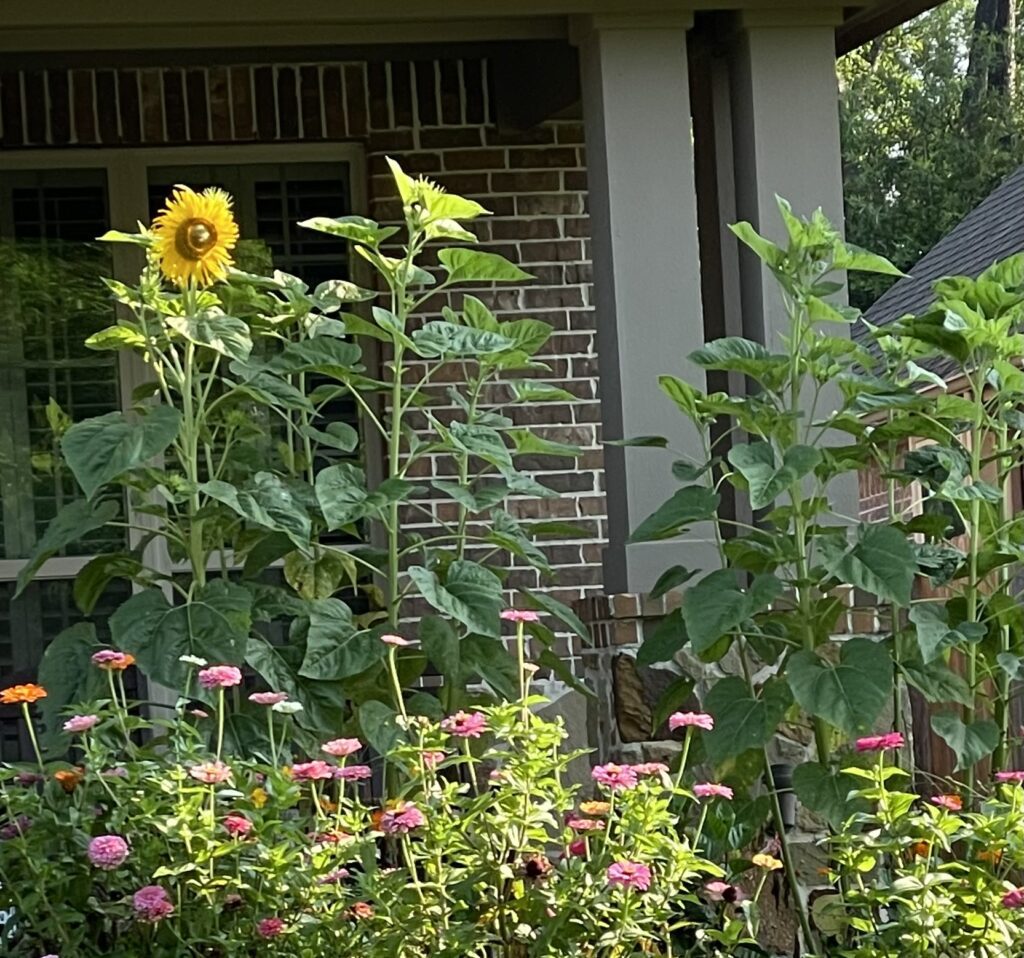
column 127, row 171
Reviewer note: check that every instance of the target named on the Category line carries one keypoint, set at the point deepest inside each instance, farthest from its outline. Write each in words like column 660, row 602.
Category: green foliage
column 232, row 458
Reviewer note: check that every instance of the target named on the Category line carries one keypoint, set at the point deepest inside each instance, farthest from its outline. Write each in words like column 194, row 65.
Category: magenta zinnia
column 151, row 903
column 629, row 874
column 879, row 743
column 465, row 724
column 220, row 677
column 1014, row 898
column 270, row 927
column 402, row 819
column 1010, row 776
column 353, row 773
column 312, row 771
column 268, row 698
column 238, row 826
column 108, row 851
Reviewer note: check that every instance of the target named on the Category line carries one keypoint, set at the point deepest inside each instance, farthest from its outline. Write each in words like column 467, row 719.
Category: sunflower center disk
column 195, row 238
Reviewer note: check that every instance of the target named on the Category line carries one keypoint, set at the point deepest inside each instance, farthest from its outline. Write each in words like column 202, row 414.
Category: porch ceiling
column 107, row 25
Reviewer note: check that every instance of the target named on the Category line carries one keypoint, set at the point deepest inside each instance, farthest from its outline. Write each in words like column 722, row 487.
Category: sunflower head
column 193, row 236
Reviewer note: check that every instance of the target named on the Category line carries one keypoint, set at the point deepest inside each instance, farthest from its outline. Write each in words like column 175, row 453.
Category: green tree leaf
column 970, row 743
column 879, row 560
column 742, row 721
column 828, row 792
column 102, row 449
column 73, row 521
column 98, row 572
column 849, row 694
column 471, row 594
column 473, row 266
column 545, row 602
column 213, row 625
column 319, row 576
column 683, row 508
column 936, row 681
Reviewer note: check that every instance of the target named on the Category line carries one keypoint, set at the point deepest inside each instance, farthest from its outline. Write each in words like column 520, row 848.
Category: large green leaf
column 766, row 250
column 880, row 560
column 850, row 693
column 94, row 577
column 318, row 576
column 683, row 508
column 379, row 726
column 827, row 791
column 332, row 357
column 214, row 625
column 733, row 353
column 668, row 637
column 717, row 605
column 527, row 442
column 441, row 645
column 223, row 334
column 934, row 633
column 100, row 450
column 471, row 594
column 335, row 647
column 342, row 494
column 970, row 743
column 548, row 603
column 73, row 521
column 437, row 338
column 473, row 266
column 68, row 676
column 670, row 579
column 491, row 660
column 766, row 479
column 742, row 721
column 481, row 441
column 358, row 229
column 936, row 681
column 268, row 503
column 323, row 702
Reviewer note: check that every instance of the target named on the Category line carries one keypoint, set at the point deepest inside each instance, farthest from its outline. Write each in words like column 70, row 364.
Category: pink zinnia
column 578, row 847
column 584, row 824
column 712, row 790
column 151, row 903
column 270, row 927
column 629, row 875
column 723, row 891
column 402, row 819
column 520, row 615
column 687, row 719
column 312, row 771
column 238, row 826
column 432, row 757
column 465, row 724
column 110, row 659
column 340, row 747
column 81, row 723
column 879, row 743
column 268, row 698
column 650, row 768
column 210, row 773
column 220, row 677
column 952, row 803
column 353, row 773
column 614, row 776
column 332, row 878
column 1012, row 776
column 1014, row 899
column 108, row 851
column 396, row 640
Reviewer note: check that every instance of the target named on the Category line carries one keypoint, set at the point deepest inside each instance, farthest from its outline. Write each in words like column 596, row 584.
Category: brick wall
column 436, row 118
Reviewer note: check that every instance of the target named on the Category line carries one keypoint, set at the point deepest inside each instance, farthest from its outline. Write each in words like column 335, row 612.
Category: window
column 52, row 207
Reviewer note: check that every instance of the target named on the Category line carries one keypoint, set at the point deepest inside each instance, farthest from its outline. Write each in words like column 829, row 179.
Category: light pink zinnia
column 111, row 659
column 270, row 927
column 312, row 771
column 723, row 891
column 268, row 698
column 332, row 878
column 650, row 768
column 402, row 819
column 465, row 724
column 340, row 747
column 1014, row 899
column 520, row 615
column 210, row 773
column 432, row 757
column 952, row 803
column 687, row 719
column 712, row 790
column 615, row 777
column 584, row 824
column 1011, row 776
column 353, row 773
column 629, row 875
column 220, row 677
column 151, row 903
column 879, row 743
column 108, row 851
column 396, row 640
column 81, row 723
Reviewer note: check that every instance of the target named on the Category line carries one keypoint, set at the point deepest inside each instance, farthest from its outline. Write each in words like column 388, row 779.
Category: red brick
column 549, row 204
column 524, row 229
column 451, row 93
column 474, row 73
column 518, row 182
column 539, row 135
column 447, row 138
column 575, row 179
column 483, row 159
column 547, row 158
column 401, row 92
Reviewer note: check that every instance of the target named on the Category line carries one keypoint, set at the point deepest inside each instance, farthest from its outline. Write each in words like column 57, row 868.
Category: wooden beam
column 875, row 20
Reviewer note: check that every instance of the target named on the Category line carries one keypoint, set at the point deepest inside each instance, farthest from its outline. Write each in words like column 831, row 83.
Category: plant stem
column 32, row 736
column 220, row 722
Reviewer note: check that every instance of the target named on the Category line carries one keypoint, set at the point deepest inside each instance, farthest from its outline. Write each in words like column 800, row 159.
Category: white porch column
column 636, row 107
column 785, row 123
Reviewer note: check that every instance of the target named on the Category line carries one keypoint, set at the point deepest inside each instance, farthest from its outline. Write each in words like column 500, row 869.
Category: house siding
column 437, row 118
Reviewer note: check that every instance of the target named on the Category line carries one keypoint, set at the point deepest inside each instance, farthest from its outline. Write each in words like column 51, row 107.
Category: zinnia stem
column 684, row 756
column 220, row 722
column 270, row 732
column 117, row 708
column 32, row 735
column 396, row 684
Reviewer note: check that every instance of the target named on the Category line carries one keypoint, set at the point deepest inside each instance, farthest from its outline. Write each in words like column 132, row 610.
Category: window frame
column 127, row 171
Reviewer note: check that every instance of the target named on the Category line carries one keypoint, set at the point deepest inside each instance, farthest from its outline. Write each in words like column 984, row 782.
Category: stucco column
column 785, row 126
column 646, row 267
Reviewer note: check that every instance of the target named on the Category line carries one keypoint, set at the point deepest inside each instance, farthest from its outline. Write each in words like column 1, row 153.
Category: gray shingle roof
column 993, row 230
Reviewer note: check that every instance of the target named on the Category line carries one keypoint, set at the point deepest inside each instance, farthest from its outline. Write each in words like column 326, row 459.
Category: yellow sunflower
column 194, row 235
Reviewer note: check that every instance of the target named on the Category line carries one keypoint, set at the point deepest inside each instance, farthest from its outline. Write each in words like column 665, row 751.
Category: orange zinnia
column 69, row 778
column 920, row 849
column 22, row 693
column 595, row 808
column 991, row 855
